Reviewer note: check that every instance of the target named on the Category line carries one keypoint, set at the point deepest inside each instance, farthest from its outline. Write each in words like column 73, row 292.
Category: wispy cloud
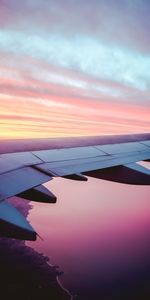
column 74, row 68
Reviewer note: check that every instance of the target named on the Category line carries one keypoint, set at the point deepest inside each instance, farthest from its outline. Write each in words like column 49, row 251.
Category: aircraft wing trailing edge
column 26, row 164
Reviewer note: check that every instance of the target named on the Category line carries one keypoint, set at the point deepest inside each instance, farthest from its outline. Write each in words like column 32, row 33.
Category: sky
column 73, row 68
column 98, row 233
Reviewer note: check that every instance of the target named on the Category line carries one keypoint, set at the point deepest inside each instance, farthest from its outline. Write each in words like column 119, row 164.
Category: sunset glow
column 73, row 68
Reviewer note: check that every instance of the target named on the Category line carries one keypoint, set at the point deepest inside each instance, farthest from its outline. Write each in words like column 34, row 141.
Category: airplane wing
column 26, row 164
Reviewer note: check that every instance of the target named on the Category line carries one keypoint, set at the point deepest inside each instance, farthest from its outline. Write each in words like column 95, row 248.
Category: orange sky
column 30, row 118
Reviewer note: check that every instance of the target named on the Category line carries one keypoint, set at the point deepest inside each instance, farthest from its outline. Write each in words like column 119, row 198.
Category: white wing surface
column 26, row 164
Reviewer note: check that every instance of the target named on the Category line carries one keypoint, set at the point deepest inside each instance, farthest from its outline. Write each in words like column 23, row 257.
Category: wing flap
column 79, row 166
column 123, row 147
column 20, row 180
column 68, row 154
column 147, row 143
column 13, row 161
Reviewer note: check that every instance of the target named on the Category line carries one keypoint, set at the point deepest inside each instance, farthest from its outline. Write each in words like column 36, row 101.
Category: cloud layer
column 74, row 67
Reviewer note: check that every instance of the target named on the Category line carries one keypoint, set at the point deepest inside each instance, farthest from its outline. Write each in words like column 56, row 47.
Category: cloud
column 124, row 22
column 82, row 54
column 83, row 65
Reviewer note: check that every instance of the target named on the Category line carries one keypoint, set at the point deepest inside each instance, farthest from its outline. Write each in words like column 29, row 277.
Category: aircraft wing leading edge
column 24, row 167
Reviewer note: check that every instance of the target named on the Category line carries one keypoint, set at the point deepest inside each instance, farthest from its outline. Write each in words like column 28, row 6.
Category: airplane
column 26, row 164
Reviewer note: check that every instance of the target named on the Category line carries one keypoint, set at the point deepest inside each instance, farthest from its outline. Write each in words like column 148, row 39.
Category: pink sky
column 99, row 226
column 72, row 69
